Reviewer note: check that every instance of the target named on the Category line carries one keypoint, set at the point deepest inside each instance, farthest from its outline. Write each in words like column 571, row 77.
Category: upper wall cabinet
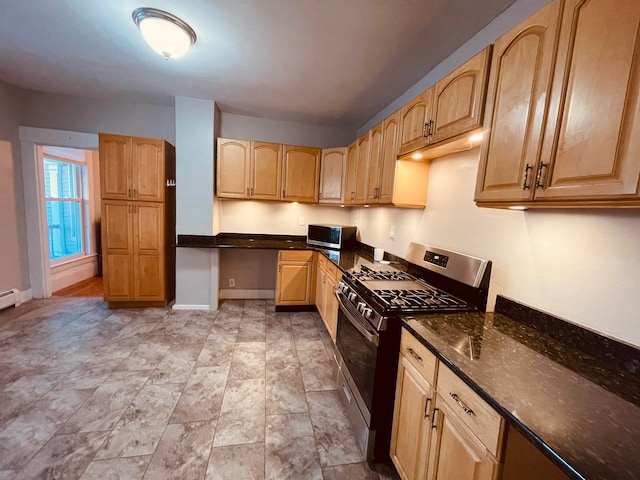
column 374, row 167
column 591, row 144
column 362, row 168
column 352, row 173
column 300, row 174
column 452, row 107
column 249, row 169
column 135, row 169
column 333, row 169
column 233, row 172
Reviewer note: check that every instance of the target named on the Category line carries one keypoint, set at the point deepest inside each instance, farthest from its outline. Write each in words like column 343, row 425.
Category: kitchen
column 535, row 257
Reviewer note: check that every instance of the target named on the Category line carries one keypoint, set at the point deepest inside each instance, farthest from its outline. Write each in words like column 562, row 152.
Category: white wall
column 244, row 127
column 276, row 218
column 82, row 114
column 14, row 272
column 582, row 265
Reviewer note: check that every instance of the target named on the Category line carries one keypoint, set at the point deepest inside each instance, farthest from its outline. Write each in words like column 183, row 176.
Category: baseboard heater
column 9, row 298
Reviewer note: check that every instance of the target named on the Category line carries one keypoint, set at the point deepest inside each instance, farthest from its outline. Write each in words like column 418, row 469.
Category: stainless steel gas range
column 372, row 296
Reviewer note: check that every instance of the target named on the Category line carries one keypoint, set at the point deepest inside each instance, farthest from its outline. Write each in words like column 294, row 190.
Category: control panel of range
column 436, row 259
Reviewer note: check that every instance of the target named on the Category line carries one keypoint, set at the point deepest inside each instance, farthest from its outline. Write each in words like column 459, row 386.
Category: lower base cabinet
column 327, row 278
column 295, row 280
column 441, row 429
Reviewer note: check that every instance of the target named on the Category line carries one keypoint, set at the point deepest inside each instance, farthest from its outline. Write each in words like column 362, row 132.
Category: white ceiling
column 326, row 62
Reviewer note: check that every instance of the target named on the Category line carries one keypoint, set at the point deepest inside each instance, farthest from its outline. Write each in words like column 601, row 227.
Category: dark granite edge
column 601, row 347
column 240, row 240
column 504, row 412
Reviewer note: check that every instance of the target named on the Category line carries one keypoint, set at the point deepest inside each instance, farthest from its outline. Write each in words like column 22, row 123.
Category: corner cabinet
column 295, row 279
column 333, row 170
column 300, row 174
column 138, row 220
column 579, row 156
column 441, row 428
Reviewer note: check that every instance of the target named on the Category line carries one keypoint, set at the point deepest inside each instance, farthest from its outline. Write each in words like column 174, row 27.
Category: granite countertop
column 581, row 409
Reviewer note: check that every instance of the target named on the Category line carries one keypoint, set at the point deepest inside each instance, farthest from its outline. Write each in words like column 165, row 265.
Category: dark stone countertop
column 581, row 409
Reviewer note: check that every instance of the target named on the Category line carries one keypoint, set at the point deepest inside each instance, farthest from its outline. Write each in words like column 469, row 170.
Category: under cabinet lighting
column 165, row 33
column 517, row 207
column 416, row 156
column 476, row 138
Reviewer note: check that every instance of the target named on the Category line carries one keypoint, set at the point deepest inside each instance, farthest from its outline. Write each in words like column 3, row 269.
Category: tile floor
column 242, row 393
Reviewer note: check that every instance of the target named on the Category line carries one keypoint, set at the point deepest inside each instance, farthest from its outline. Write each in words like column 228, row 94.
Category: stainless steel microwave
column 331, row 236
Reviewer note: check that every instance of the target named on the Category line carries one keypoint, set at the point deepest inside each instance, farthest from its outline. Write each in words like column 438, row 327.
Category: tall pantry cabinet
column 137, row 179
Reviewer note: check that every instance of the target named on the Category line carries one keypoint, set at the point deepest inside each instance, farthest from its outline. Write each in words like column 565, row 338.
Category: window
column 66, row 205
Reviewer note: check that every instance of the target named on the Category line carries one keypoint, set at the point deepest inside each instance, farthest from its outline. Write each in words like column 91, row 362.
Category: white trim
column 74, row 271
column 30, row 137
column 24, row 296
column 246, row 294
column 190, row 307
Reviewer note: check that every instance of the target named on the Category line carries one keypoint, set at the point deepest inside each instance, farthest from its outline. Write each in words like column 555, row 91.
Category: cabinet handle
column 135, row 194
column 461, row 404
column 248, row 192
column 425, row 133
column 353, row 196
column 282, row 193
column 130, row 209
column 539, row 183
column 252, row 191
column 434, row 417
column 426, row 407
column 527, row 169
column 413, row 353
column 130, row 193
column 430, row 128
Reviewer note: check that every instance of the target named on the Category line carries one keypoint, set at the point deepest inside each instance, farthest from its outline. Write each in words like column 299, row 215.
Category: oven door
column 357, row 342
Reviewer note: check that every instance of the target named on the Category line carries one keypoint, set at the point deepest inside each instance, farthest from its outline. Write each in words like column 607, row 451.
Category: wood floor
column 91, row 287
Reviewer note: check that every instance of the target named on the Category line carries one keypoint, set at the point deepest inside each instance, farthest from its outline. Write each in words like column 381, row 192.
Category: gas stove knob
column 361, row 307
column 352, row 297
column 343, row 287
column 367, row 313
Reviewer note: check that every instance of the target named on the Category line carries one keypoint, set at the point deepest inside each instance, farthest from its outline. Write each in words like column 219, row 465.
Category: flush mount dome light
column 167, row 34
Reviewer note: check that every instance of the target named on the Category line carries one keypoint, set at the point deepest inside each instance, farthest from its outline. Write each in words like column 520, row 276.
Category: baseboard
column 70, row 273
column 24, row 296
column 191, row 307
column 245, row 294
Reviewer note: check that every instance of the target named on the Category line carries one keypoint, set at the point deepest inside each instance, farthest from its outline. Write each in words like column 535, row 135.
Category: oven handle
column 364, row 329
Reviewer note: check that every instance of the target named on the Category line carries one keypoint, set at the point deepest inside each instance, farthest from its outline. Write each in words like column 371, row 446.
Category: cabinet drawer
column 474, row 412
column 419, row 356
column 296, row 255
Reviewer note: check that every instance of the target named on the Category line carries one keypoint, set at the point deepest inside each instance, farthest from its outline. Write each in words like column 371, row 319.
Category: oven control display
column 436, row 259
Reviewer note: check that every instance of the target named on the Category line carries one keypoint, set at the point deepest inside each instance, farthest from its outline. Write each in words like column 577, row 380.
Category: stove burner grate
column 428, row 298
column 367, row 273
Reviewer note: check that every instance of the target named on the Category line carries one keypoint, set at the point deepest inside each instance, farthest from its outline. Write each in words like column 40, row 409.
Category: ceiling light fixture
column 167, row 34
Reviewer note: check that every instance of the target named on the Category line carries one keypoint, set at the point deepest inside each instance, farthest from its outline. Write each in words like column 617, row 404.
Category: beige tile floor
column 242, row 393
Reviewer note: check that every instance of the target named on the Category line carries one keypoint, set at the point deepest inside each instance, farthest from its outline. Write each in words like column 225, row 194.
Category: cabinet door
column 456, row 454
column 294, row 283
column 331, row 307
column 320, row 286
column 233, row 172
column 592, row 141
column 352, row 173
column 117, row 250
column 301, row 171
column 390, row 137
column 333, row 168
column 414, row 116
column 266, row 168
column 115, row 167
column 516, row 101
column 458, row 99
column 148, row 230
column 375, row 164
column 411, row 422
column 149, row 181
column 364, row 150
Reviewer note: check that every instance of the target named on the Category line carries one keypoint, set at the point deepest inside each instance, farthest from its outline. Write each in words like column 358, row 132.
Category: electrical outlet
column 392, row 232
column 232, row 282
column 302, row 220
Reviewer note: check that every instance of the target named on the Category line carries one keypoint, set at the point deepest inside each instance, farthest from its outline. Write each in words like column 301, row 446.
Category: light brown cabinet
column 362, row 166
column 327, row 278
column 300, row 174
column 333, row 172
column 586, row 153
column 374, row 163
column 138, row 235
column 295, row 279
column 452, row 107
column 441, row 428
column 248, row 169
column 386, row 171
column 352, row 173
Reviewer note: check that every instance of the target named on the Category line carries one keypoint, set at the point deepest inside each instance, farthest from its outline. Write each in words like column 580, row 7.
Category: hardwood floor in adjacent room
column 92, row 287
